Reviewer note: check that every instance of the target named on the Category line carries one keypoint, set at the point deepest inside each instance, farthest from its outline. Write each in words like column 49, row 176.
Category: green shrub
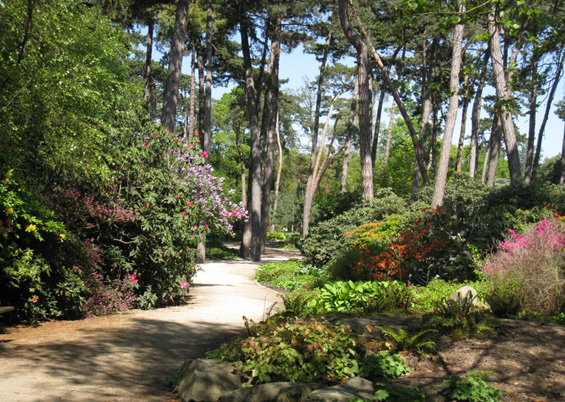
column 276, row 236
column 399, row 340
column 383, row 365
column 362, row 297
column 505, row 300
column 472, row 389
column 299, row 351
column 290, row 275
column 326, row 239
column 394, row 393
column 428, row 298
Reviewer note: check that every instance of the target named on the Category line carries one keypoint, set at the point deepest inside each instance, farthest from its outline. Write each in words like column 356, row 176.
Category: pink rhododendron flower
column 183, row 284
column 133, row 279
column 204, row 154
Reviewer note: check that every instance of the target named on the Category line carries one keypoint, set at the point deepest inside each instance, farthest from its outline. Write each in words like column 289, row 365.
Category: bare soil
column 525, row 360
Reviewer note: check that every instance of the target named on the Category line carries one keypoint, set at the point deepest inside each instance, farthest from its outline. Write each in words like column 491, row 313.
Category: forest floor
column 127, row 357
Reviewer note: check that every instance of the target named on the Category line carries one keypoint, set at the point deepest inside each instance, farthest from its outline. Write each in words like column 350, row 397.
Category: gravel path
column 126, row 357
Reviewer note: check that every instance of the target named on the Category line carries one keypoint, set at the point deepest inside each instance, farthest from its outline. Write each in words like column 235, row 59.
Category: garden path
column 127, row 357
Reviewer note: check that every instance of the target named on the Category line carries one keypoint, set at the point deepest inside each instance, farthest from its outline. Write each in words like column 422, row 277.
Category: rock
column 464, row 292
column 206, row 380
column 355, row 387
column 272, row 392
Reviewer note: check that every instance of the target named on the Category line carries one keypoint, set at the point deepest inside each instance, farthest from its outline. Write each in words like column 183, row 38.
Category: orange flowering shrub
column 399, row 248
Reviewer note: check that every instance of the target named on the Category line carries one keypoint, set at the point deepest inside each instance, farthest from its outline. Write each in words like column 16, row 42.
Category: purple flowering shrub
column 528, row 270
column 178, row 199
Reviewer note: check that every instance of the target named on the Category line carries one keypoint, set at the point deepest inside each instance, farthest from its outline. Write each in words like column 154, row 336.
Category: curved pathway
column 127, row 357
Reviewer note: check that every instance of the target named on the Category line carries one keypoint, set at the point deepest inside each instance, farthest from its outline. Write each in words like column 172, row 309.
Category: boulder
column 355, row 387
column 206, row 380
column 272, row 392
column 464, row 292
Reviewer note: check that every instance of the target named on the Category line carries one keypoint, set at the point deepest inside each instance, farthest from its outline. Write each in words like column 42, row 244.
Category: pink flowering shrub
column 529, row 268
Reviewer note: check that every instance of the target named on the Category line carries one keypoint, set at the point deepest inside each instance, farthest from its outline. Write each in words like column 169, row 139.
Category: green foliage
column 505, row 300
column 460, row 318
column 276, row 236
column 362, row 297
column 383, row 365
column 299, row 351
column 427, row 298
column 473, row 388
column 326, row 239
column 400, row 340
column 290, row 275
column 298, row 303
column 394, row 393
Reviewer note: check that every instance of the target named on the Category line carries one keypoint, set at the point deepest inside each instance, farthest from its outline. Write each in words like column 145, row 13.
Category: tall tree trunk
column 389, row 134
column 364, row 100
column 192, row 93
column 413, row 135
column 308, row 196
column 253, row 249
column 237, row 129
column 269, row 126
column 494, row 149
column 461, row 143
column 350, row 122
column 206, row 129
column 476, row 118
column 562, row 179
column 279, row 169
column 201, row 88
column 504, row 94
column 171, row 95
column 377, row 127
column 529, row 168
column 546, row 114
column 443, row 167
column 148, row 97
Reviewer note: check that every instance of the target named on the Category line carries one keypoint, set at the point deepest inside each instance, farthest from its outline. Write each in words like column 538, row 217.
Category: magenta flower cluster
column 539, row 243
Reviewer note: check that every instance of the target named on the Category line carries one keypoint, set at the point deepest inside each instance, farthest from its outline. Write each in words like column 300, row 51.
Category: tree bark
column 476, row 118
column 389, row 134
column 279, row 169
column 269, row 126
column 443, row 167
column 253, row 249
column 413, row 135
column 503, row 94
column 350, row 123
column 562, row 179
column 364, row 100
column 529, row 168
column 494, row 150
column 148, row 97
column 546, row 114
column 464, row 108
column 377, row 127
column 171, row 95
column 206, row 129
column 192, row 93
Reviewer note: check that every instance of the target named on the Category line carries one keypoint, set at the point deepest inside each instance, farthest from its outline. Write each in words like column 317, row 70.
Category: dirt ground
column 525, row 360
column 127, row 357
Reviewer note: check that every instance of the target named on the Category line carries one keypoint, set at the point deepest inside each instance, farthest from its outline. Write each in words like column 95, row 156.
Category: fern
column 402, row 341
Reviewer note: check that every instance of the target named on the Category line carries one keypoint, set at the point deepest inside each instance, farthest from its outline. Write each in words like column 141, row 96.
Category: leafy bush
column 531, row 265
column 300, row 351
column 290, row 275
column 276, row 236
column 366, row 297
column 326, row 239
column 472, row 389
column 394, row 393
column 428, row 298
column 383, row 365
